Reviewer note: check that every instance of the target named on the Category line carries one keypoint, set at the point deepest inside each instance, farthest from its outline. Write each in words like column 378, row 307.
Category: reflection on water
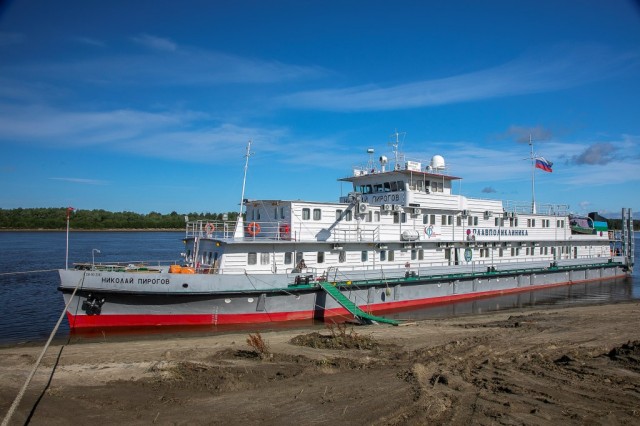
column 30, row 304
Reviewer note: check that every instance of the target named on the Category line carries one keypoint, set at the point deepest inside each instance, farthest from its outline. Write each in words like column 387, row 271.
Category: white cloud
column 80, row 180
column 553, row 69
column 155, row 43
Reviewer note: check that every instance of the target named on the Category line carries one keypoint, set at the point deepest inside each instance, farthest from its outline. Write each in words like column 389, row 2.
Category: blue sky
column 148, row 105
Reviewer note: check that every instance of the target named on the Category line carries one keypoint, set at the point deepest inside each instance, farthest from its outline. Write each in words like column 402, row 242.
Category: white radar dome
column 437, row 162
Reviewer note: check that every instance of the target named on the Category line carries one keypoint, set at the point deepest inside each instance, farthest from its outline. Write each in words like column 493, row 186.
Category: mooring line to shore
column 27, row 272
column 16, row 401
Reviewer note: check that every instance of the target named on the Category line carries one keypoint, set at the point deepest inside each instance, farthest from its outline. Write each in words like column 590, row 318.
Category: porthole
column 250, row 300
column 227, row 300
column 185, row 285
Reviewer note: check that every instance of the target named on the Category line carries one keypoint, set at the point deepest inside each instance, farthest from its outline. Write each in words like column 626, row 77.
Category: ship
column 400, row 239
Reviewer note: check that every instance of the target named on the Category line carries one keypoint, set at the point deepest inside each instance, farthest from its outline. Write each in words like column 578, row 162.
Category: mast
column 239, row 221
column 533, row 178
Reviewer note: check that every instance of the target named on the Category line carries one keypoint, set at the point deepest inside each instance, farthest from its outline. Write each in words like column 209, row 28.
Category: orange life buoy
column 285, row 229
column 209, row 228
column 253, row 229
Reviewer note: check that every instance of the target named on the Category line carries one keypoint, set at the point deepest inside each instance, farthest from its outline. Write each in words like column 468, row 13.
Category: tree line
column 56, row 218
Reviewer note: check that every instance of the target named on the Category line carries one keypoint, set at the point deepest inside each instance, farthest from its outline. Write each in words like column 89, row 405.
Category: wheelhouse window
column 252, row 258
column 317, row 214
column 364, row 256
column 264, row 258
column 320, row 257
column 383, row 255
column 306, row 214
column 348, row 216
column 342, row 256
column 392, row 255
column 288, row 258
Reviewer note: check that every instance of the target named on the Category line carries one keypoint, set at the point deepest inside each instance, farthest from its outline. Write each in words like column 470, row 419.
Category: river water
column 30, row 303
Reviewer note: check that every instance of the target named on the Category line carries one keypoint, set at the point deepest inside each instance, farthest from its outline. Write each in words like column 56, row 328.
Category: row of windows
column 381, row 187
column 389, row 255
column 384, row 255
column 427, row 219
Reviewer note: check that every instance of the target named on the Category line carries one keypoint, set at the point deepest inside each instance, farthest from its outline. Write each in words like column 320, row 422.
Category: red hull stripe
column 133, row 320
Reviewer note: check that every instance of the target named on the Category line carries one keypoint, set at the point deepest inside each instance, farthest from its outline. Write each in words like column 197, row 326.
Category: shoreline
column 576, row 364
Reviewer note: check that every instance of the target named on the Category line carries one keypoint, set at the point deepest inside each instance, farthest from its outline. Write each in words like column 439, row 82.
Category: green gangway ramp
column 337, row 295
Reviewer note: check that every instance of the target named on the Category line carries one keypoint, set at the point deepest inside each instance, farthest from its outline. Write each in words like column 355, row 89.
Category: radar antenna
column 395, row 144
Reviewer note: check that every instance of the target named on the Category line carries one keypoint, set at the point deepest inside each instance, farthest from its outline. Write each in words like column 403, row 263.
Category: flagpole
column 533, row 179
column 66, row 259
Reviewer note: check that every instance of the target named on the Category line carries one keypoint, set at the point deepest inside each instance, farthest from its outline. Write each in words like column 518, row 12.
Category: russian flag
column 543, row 164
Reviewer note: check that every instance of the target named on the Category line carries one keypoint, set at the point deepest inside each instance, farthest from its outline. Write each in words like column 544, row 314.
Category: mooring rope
column 16, row 402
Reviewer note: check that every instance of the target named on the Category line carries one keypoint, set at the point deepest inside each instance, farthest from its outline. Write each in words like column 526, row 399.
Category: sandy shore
column 577, row 365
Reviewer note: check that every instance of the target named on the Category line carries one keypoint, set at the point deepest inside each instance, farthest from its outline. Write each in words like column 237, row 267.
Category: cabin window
column 281, row 212
column 306, row 214
column 288, row 258
column 369, row 216
column 320, row 257
column 496, row 221
column 347, row 216
column 299, row 257
column 444, row 219
column 393, row 186
column 383, row 255
column 421, row 254
column 396, row 217
column 342, row 256
column 317, row 214
column 403, row 217
column 433, row 219
column 364, row 256
column 414, row 254
column 434, row 186
column 376, row 216
column 252, row 258
column 419, row 185
column 515, row 222
column 338, row 214
column 459, row 221
column 275, row 212
column 425, row 219
column 392, row 255
column 440, row 187
column 500, row 252
column 264, row 258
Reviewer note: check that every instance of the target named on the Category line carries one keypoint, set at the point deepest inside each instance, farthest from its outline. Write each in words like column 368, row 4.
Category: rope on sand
column 16, row 402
